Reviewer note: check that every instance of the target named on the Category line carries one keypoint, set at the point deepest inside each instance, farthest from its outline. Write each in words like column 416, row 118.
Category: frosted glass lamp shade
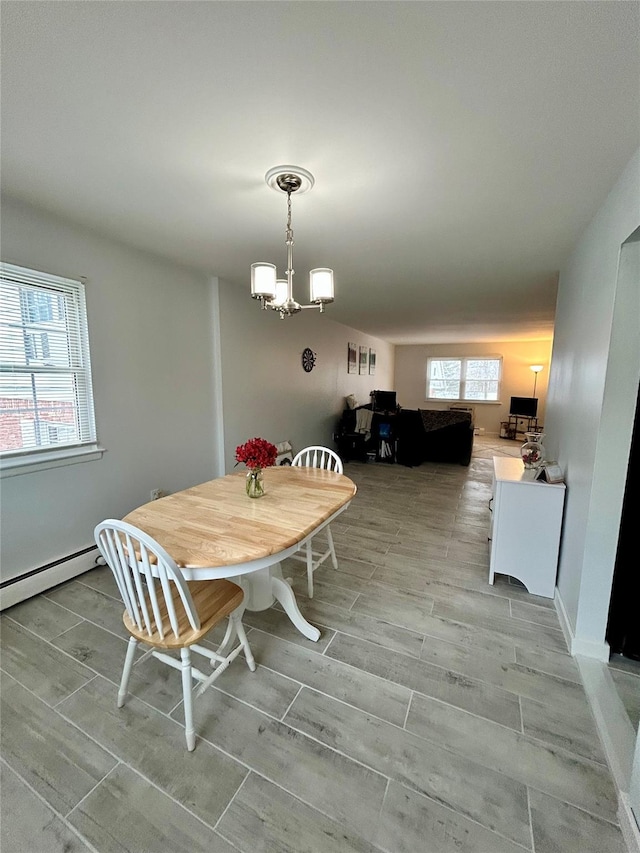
column 321, row 285
column 282, row 293
column 263, row 281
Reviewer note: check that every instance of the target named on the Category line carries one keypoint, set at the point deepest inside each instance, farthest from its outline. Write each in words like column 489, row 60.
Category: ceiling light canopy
column 277, row 293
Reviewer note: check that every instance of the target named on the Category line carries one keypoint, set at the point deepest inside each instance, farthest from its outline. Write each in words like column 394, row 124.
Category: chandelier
column 277, row 293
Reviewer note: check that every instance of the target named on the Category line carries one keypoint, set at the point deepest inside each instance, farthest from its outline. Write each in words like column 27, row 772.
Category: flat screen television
column 526, row 407
column 384, row 401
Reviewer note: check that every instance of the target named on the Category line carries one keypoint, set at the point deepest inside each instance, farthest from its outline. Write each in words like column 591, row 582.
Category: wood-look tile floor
column 436, row 713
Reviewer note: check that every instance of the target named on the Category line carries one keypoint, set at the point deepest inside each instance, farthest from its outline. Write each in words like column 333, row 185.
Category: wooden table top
column 216, row 524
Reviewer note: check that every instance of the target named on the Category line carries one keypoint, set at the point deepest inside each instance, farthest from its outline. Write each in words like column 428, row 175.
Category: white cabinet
column 526, row 521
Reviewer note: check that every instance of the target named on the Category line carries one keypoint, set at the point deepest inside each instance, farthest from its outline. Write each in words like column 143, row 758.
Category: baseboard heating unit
column 17, row 589
column 470, row 409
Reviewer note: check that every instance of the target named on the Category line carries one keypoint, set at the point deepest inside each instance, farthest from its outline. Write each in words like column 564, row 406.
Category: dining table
column 214, row 530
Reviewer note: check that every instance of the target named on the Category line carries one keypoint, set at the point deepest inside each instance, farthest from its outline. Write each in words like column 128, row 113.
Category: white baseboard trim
column 565, row 624
column 628, row 825
column 616, row 733
column 586, row 648
column 591, row 649
column 614, row 726
column 37, row 583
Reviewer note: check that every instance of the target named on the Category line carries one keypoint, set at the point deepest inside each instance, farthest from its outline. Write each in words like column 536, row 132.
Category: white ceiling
column 459, row 148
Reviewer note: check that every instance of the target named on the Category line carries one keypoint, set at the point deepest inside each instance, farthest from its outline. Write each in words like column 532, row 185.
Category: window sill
column 30, row 463
column 463, row 402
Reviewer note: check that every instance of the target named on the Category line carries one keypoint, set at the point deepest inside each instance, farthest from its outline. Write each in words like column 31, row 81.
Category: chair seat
column 214, row 600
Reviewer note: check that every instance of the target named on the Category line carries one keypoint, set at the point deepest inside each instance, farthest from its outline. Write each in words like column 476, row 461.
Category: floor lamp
column 536, row 370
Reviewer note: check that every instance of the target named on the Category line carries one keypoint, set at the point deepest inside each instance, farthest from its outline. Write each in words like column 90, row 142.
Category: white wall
column 266, row 392
column 590, row 408
column 517, row 378
column 160, row 396
column 150, row 345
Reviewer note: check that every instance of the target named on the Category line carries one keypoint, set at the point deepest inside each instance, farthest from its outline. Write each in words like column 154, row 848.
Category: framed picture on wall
column 372, row 362
column 352, row 358
column 364, row 359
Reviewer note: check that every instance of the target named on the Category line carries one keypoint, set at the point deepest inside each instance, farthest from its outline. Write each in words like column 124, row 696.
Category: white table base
column 263, row 587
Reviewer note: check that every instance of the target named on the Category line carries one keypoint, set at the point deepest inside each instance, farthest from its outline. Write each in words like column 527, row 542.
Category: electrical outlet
column 156, row 493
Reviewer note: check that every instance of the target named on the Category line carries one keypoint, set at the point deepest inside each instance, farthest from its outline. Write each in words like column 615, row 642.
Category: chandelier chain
column 290, row 271
column 289, row 229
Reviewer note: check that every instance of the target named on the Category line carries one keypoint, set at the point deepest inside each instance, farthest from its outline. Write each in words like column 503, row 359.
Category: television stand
column 519, row 424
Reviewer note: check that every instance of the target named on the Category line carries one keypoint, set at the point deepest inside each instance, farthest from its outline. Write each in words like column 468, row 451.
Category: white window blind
column 464, row 378
column 46, row 397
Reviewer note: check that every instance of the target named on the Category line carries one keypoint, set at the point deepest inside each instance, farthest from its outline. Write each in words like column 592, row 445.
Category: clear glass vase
column 255, row 483
column 532, row 451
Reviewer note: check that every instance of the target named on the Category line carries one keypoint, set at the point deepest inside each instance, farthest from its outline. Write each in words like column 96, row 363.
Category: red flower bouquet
column 257, row 453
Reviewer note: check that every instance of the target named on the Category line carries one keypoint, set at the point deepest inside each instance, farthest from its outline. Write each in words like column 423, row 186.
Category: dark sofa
column 431, row 435
column 423, row 435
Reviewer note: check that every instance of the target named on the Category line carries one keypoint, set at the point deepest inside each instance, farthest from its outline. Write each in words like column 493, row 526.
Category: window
column 46, row 398
column 464, row 378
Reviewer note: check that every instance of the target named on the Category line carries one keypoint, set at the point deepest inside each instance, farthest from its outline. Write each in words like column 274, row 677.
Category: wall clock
column 308, row 360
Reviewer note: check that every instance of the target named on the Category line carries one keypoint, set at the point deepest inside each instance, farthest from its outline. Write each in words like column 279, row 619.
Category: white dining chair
column 317, row 456
column 166, row 612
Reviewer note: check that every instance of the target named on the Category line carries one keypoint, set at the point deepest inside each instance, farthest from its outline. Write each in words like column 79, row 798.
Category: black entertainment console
column 518, row 425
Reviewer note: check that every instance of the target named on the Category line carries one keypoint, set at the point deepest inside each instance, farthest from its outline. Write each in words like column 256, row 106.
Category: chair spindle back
column 144, row 573
column 317, row 456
